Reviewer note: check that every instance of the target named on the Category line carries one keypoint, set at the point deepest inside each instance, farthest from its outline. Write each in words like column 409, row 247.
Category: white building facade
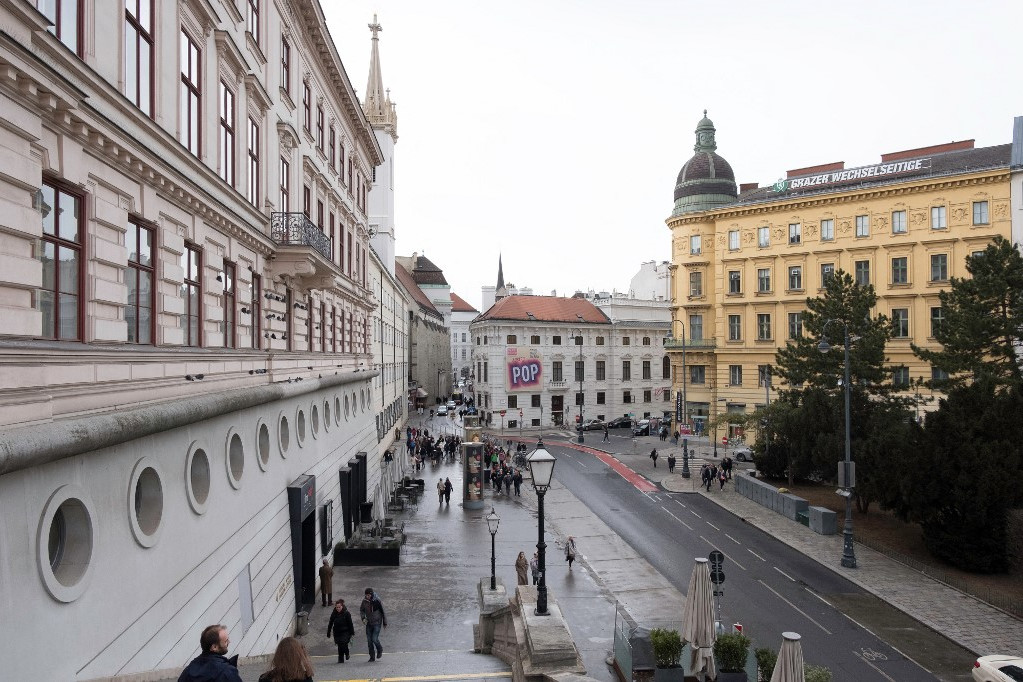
column 201, row 360
column 462, row 314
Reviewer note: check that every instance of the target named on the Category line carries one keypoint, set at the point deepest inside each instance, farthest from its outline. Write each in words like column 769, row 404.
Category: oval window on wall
column 235, row 459
column 64, row 543
column 300, row 427
column 326, row 415
column 337, row 410
column 145, row 502
column 346, row 407
column 283, row 435
column 314, row 418
column 197, row 479
column 263, row 445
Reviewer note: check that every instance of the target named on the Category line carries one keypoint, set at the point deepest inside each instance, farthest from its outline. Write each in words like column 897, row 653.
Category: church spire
column 378, row 106
column 500, row 273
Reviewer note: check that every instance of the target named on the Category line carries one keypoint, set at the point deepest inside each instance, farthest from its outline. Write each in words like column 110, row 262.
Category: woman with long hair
column 290, row 663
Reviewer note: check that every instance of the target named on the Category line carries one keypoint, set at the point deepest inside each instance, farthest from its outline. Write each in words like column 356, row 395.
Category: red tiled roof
column 406, row 281
column 459, row 305
column 545, row 309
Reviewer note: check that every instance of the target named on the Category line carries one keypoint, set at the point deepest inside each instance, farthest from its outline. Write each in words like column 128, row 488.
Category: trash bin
column 301, row 623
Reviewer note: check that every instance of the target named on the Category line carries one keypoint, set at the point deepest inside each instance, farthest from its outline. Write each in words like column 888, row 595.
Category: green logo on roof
column 780, row 186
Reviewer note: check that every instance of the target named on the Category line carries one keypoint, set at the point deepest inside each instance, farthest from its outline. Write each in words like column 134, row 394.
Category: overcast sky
column 552, row 131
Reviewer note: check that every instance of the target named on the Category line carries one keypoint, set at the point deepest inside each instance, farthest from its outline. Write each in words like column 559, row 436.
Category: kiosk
column 472, row 463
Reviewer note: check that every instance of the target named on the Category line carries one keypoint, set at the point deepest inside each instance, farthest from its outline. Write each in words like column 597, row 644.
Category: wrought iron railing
column 295, row 229
column 690, row 344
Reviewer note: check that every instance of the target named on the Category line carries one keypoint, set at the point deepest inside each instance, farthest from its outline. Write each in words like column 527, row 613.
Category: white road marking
column 807, row 616
column 695, row 514
column 678, row 519
column 785, row 574
column 730, row 558
column 880, row 672
column 755, row 554
column 713, row 526
column 732, row 539
column 818, row 596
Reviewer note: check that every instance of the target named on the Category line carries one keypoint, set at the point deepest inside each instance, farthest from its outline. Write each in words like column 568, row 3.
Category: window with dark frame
column 556, row 371
column 861, row 269
column 191, row 292
column 626, row 370
column 939, row 267
column 285, row 186
column 601, row 398
column 665, row 367
column 795, row 325
column 252, row 187
column 647, row 395
column 937, row 319
column 230, row 299
column 289, row 317
column 333, row 328
column 323, row 326
column 319, row 214
column 140, row 277
column 190, row 133
column 307, row 202
column 734, row 282
column 513, row 401
column 735, row 375
column 764, row 280
column 795, row 233
column 900, row 323
column 138, row 54
column 534, row 339
column 286, row 65
column 67, row 17
column 795, row 278
column 645, row 369
column 309, row 322
column 601, row 370
column 331, row 142
column 307, row 107
column 900, row 270
column 319, row 128
column 900, row 376
column 534, row 400
column 580, row 369
column 252, row 18
column 226, row 134
column 256, row 311
column 60, row 296
column 735, row 328
column 764, row 326
column 697, row 374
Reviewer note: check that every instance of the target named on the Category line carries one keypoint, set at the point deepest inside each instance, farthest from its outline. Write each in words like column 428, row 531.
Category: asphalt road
column 769, row 587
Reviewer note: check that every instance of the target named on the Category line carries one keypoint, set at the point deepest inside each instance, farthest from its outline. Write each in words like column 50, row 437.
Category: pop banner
column 525, row 369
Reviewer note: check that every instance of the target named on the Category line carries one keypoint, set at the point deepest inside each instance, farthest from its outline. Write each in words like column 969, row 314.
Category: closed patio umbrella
column 698, row 620
column 789, row 667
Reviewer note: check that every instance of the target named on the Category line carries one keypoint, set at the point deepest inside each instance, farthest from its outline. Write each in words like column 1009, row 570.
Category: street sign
column 724, row 440
column 716, row 557
column 717, row 576
column 502, row 412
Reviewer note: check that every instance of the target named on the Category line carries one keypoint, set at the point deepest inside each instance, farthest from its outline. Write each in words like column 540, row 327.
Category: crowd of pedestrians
column 421, row 446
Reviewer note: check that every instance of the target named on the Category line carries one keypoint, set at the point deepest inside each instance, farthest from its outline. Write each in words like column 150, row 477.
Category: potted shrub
column 730, row 652
column 667, row 646
column 766, row 658
column 816, row 673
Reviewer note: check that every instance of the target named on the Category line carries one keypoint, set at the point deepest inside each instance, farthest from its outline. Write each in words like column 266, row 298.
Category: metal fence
column 297, row 229
column 987, row 595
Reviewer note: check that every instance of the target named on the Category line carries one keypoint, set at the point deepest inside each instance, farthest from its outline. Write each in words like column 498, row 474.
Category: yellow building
column 745, row 259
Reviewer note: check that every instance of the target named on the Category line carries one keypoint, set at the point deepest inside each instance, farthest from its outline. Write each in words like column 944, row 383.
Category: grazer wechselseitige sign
column 879, row 171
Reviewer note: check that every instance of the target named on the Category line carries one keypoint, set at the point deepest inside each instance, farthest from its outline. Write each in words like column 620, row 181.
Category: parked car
column 590, row 425
column 620, row 423
column 442, row 411
column 642, row 428
column 998, row 669
column 743, row 454
column 451, row 404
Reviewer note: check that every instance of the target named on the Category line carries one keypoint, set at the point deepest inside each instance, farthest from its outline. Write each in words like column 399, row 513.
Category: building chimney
column 925, row 151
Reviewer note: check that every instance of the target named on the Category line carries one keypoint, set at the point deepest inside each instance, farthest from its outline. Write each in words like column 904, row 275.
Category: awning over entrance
column 421, row 393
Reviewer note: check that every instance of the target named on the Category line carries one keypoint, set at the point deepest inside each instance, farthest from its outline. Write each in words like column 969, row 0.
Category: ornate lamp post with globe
column 541, row 469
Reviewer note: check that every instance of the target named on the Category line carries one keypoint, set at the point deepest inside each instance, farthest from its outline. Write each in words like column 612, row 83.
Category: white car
column 451, row 404
column 998, row 669
column 442, row 411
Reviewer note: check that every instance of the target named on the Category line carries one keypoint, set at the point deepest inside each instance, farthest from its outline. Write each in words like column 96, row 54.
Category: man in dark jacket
column 341, row 624
column 372, row 613
column 212, row 665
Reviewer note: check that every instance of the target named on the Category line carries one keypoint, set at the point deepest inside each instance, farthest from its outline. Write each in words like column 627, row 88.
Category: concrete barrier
column 792, row 505
column 823, row 521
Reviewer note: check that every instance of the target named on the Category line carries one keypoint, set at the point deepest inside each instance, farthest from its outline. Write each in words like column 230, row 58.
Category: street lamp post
column 582, row 399
column 541, row 469
column 847, row 478
column 493, row 521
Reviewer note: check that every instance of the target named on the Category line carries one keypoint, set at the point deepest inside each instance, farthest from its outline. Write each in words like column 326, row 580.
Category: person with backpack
column 373, row 617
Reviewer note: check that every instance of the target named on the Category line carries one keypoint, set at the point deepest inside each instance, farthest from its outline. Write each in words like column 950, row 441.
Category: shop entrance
column 301, row 505
column 558, row 408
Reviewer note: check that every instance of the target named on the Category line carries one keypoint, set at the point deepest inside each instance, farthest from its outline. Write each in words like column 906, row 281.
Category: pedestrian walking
column 517, row 480
column 341, row 625
column 726, row 463
column 676, row 437
column 440, row 490
column 606, row 437
column 447, row 490
column 507, row 482
column 534, row 567
column 521, row 569
column 705, row 476
column 290, row 663
column 671, row 462
column 212, row 665
column 326, row 582
column 653, row 456
column 372, row 614
column 570, row 551
column 721, row 479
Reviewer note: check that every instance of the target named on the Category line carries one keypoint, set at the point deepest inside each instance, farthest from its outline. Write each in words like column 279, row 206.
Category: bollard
column 301, row 623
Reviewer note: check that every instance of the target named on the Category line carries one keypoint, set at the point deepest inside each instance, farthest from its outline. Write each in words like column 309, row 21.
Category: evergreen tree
column 981, row 335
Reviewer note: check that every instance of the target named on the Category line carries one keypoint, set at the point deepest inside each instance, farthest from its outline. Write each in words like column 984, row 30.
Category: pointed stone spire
column 378, row 106
column 500, row 273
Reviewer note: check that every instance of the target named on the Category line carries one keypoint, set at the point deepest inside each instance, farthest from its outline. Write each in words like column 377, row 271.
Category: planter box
column 670, row 674
column 733, row 677
column 367, row 556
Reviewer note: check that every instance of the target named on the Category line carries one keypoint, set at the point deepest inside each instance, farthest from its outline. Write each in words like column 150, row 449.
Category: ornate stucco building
column 429, row 351
column 746, row 258
column 202, row 359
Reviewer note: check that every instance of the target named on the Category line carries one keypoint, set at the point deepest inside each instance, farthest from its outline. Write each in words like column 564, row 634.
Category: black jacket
column 210, row 667
column 372, row 612
column 342, row 626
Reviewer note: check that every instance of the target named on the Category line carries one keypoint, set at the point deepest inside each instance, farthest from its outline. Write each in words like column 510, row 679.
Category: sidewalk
column 960, row 617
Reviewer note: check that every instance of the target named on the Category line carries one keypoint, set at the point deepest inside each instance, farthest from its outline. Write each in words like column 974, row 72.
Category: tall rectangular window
column 256, row 310
column 861, row 269
column 252, row 188
column 138, row 54
column 60, row 296
column 67, row 17
column 900, row 323
column 580, row 368
column 696, row 284
column 763, row 237
column 333, row 331
column 556, row 371
column 139, row 276
column 307, row 201
column 626, row 370
column 309, row 322
column 695, row 328
column 228, row 276
column 695, row 245
column 734, row 282
column 646, row 369
column 795, row 277
column 350, row 169
column 307, row 107
column 349, row 254
column 828, row 229
column 827, row 272
column 319, row 214
column 900, row 270
column 331, row 139
column 735, row 328
column 284, row 199
column 627, row 397
column 795, row 233
column 647, row 395
column 601, row 370
column 252, row 18
column 697, row 374
column 319, row 128
column 862, row 226
column 764, row 279
column 286, row 66
column 601, row 397
column 733, row 240
column 191, row 292
column 937, row 319
column 900, row 376
column 764, row 326
column 939, row 267
column 226, row 134
column 323, row 327
column 980, row 213
column 735, row 375
column 938, row 221
column 898, row 222
column 190, row 123
column 795, row 325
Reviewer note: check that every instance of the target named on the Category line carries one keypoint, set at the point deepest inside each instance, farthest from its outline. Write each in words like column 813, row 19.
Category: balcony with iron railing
column 303, row 251
column 690, row 344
